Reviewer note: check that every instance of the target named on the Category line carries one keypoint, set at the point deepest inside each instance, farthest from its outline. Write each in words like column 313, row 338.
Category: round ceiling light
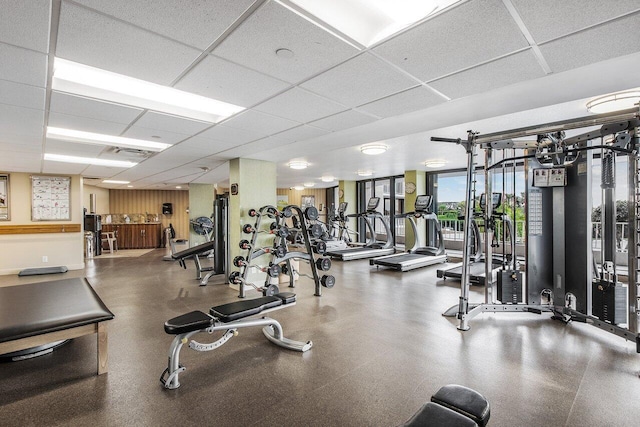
column 373, row 149
column 309, row 184
column 365, row 173
column 298, row 164
column 327, row 178
column 614, row 102
column 298, row 187
column 436, row 163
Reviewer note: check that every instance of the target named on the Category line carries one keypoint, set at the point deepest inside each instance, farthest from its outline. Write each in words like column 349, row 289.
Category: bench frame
column 272, row 330
column 99, row 328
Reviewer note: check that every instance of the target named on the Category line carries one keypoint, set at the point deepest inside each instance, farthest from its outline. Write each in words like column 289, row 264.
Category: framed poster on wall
column 50, row 198
column 307, row 201
column 4, row 197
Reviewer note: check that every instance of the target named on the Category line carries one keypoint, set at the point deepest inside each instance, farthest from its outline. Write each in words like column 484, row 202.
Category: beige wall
column 20, row 251
column 102, row 198
column 150, row 201
column 201, row 198
column 294, row 197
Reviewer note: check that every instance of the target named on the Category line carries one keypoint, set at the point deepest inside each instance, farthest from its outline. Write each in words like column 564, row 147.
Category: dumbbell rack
column 279, row 250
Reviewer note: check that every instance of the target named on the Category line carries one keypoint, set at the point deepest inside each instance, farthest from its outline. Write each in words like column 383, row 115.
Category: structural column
column 415, row 184
column 200, row 204
column 347, row 192
column 252, row 185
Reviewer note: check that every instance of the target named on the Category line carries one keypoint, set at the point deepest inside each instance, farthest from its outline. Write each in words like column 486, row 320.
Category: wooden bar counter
column 136, row 235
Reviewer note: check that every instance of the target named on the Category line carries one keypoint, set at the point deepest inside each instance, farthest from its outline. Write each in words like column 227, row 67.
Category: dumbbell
column 248, row 229
column 239, row 261
column 273, row 270
column 235, row 278
column 279, row 251
column 270, row 290
column 323, row 264
column 328, row 281
column 244, row 244
column 253, row 213
column 311, row 213
column 320, row 247
column 316, row 230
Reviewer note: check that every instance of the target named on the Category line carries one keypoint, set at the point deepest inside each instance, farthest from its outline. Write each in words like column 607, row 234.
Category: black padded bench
column 195, row 253
column 453, row 406
column 228, row 318
column 36, row 314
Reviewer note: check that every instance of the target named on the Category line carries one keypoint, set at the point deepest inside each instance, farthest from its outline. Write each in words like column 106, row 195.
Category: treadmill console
column 423, row 203
column 496, row 201
column 342, row 208
column 373, row 204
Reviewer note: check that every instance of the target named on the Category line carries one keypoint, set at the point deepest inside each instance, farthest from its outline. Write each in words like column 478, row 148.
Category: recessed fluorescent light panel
column 113, row 181
column 78, row 79
column 100, row 139
column 88, row 161
column 368, row 21
column 298, row 164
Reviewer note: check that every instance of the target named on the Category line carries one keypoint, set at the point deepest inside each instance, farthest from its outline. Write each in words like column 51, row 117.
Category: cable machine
column 561, row 274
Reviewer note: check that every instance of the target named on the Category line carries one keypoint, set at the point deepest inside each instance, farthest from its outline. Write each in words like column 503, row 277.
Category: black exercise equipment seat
column 40, row 308
column 453, row 405
column 196, row 250
column 225, row 313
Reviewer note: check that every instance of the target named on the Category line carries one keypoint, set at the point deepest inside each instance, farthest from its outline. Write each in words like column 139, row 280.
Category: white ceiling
column 486, row 65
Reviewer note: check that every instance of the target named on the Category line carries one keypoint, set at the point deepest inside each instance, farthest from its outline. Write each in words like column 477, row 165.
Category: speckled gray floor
column 381, row 349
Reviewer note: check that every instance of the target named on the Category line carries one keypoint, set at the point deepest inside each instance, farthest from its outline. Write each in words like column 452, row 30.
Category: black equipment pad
column 286, row 297
column 465, row 401
column 39, row 308
column 239, row 309
column 432, row 415
column 42, row 270
column 192, row 321
column 196, row 250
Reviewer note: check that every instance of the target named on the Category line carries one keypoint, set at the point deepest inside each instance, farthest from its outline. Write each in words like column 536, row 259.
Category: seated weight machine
column 559, row 275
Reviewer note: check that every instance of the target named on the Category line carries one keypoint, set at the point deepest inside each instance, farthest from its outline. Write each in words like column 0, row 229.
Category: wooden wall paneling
column 296, row 195
column 150, row 201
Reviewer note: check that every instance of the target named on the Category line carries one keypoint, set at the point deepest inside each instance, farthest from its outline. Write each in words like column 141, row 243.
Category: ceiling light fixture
column 366, row 21
column 101, row 139
column 434, row 164
column 298, row 164
column 298, row 187
column 114, row 181
column 178, row 187
column 365, row 173
column 129, row 186
column 309, row 184
column 88, row 161
column 79, row 79
column 614, row 102
column 373, row 149
column 327, row 178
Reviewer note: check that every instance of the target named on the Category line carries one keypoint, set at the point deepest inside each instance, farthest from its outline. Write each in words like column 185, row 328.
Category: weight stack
column 609, row 302
column 509, row 286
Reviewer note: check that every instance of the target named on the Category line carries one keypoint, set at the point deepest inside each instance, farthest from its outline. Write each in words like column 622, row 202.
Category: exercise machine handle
column 439, row 139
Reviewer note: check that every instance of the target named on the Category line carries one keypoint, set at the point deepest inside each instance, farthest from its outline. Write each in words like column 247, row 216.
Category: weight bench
column 229, row 318
column 36, row 314
column 195, row 253
column 453, row 406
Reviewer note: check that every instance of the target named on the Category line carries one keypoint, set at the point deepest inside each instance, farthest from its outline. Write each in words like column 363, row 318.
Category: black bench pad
column 42, row 270
column 39, row 308
column 196, row 250
column 192, row 321
column 464, row 400
column 286, row 297
column 432, row 415
column 239, row 309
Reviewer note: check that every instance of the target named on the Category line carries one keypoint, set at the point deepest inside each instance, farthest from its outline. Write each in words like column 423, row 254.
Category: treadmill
column 372, row 247
column 419, row 255
column 476, row 263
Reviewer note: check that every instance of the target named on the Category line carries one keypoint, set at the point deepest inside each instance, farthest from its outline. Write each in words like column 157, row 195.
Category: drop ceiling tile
column 358, row 81
column 550, row 19
column 68, row 121
column 299, row 134
column 18, row 121
column 153, row 120
column 26, row 24
column 260, row 123
column 92, row 108
column 206, row 146
column 254, row 43
column 473, row 32
column 20, row 164
column 149, row 134
column 229, row 135
column 300, row 105
column 23, row 66
column 417, row 98
column 220, row 79
column 33, row 146
column 100, row 41
column 597, row 44
column 102, row 171
column 63, row 168
column 196, row 23
column 21, row 95
column 177, row 155
column 502, row 72
column 72, row 148
column 345, row 120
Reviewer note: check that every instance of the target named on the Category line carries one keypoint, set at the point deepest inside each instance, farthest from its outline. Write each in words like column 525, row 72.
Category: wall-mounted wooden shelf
column 40, row 228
